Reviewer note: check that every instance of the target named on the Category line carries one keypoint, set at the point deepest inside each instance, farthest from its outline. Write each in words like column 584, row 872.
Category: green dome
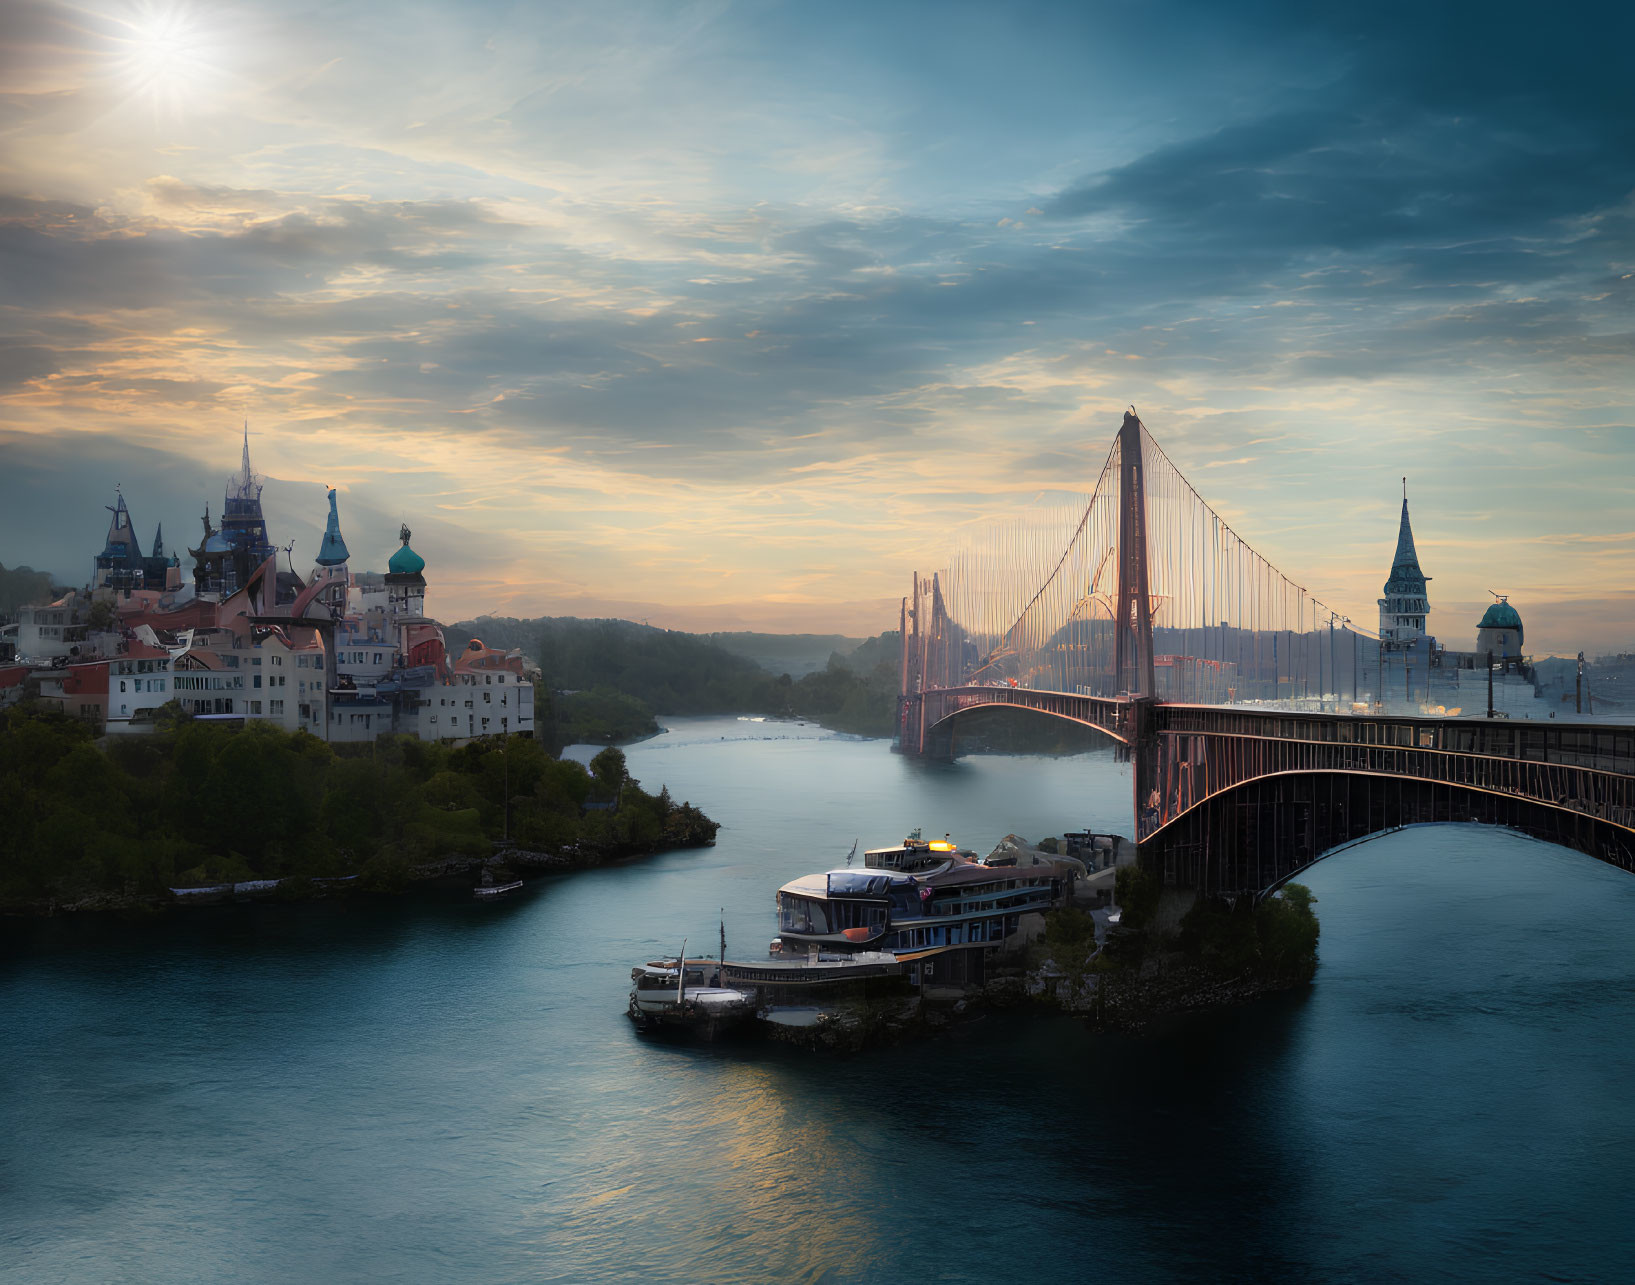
column 1501, row 615
column 406, row 562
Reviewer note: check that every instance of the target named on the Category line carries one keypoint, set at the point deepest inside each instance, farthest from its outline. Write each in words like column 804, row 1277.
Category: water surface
column 430, row 1090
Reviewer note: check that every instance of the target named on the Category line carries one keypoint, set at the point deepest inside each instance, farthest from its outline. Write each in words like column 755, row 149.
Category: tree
column 1137, row 892
column 608, row 767
column 102, row 615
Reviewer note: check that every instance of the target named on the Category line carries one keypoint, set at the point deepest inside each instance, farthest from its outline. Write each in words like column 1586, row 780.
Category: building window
column 255, row 707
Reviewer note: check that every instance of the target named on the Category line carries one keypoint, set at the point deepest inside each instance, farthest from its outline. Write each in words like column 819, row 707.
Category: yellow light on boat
column 942, row 847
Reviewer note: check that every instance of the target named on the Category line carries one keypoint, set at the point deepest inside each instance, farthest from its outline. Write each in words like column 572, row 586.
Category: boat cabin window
column 802, row 915
column 667, row 982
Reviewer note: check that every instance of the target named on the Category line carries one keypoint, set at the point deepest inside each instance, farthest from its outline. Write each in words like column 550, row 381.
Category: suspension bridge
column 1143, row 615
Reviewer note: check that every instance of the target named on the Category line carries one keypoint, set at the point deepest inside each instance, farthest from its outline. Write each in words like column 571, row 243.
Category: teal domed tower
column 406, row 562
column 1500, row 631
column 405, row 583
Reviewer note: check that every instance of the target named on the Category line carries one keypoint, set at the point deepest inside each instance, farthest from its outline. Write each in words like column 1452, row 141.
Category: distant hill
column 674, row 672
column 794, row 654
column 622, row 673
column 883, row 649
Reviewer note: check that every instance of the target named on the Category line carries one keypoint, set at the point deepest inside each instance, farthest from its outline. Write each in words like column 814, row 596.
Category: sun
column 167, row 55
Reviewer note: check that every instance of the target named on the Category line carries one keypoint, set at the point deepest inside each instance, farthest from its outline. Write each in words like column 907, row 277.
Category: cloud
column 472, row 267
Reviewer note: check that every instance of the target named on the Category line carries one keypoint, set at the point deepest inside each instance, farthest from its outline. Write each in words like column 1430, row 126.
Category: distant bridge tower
column 1132, row 639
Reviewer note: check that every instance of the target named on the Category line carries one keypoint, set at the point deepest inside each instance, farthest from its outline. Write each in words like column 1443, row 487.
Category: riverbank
column 505, row 863
column 201, row 812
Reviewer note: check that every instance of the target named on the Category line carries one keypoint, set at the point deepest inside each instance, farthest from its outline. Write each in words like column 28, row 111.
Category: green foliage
column 1137, row 892
column 608, row 767
column 604, row 680
column 200, row 802
column 1276, row 936
column 1049, row 845
column 1070, row 939
column 601, row 715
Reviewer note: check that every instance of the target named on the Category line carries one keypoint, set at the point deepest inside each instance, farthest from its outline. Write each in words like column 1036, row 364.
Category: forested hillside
column 620, row 675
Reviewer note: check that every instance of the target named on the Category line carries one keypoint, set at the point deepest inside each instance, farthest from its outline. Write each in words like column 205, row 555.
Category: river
column 426, row 1089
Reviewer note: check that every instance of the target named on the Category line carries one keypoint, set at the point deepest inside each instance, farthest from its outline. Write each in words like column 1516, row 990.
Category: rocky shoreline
column 1115, row 977
column 1113, row 1004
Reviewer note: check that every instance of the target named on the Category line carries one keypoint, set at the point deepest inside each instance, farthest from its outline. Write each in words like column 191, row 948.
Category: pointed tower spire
column 1405, row 605
column 333, row 551
column 1406, row 555
column 159, row 540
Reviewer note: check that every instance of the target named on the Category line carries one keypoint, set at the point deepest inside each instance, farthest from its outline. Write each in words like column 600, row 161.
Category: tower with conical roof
column 332, row 553
column 1405, row 606
column 224, row 562
column 119, row 565
column 122, row 567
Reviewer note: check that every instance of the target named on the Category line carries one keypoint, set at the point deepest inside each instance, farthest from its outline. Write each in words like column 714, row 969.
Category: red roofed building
column 85, row 692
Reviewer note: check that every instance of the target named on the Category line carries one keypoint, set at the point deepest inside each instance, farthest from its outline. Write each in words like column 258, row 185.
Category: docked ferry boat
column 915, row 914
column 916, row 898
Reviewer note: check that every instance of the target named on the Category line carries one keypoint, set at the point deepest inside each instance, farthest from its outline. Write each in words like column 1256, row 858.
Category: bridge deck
column 1572, row 783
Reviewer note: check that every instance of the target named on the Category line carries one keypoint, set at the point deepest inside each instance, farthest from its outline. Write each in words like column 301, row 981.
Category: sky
column 732, row 315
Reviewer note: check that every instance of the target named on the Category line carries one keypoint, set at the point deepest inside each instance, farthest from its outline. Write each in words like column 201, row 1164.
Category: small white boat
column 486, row 892
column 683, row 998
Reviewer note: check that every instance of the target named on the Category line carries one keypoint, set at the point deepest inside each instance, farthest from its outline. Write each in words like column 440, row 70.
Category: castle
column 345, row 656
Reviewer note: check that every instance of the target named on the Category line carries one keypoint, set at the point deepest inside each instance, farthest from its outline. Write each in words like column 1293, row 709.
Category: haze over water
column 429, row 1090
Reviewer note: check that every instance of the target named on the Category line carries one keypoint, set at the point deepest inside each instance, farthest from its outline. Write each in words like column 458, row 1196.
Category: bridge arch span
column 942, row 742
column 1255, row 836
column 928, row 717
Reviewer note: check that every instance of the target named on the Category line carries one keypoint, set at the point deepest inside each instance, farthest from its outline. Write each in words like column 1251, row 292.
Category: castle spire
column 333, row 551
column 1406, row 556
